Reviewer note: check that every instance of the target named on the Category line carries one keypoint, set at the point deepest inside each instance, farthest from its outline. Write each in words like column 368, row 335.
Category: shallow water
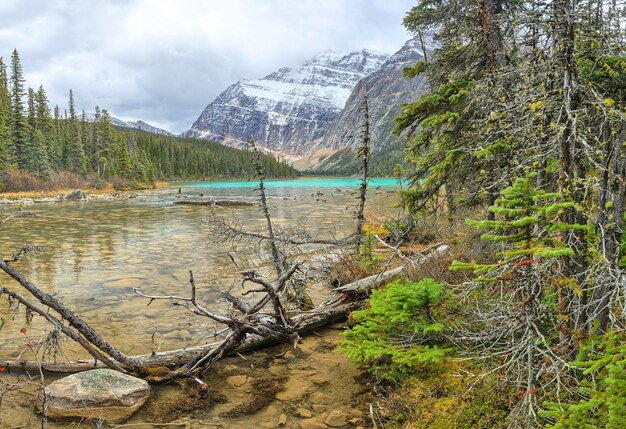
column 98, row 251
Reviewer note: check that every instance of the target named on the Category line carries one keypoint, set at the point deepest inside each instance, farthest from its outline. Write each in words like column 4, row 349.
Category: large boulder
column 77, row 195
column 101, row 394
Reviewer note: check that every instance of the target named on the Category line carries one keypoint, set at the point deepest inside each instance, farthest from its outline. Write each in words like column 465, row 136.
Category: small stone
column 293, row 392
column 318, row 408
column 237, row 380
column 320, row 381
column 356, row 413
column 282, row 420
column 304, row 413
column 312, row 424
column 336, row 419
column 317, row 398
column 355, row 421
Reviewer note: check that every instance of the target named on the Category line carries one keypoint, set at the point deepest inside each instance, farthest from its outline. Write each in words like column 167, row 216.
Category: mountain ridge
column 287, row 109
column 136, row 125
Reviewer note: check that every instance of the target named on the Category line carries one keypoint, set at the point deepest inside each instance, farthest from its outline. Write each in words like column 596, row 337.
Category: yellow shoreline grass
column 55, row 192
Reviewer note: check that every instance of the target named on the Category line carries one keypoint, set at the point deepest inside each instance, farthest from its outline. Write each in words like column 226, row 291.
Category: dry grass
column 52, row 193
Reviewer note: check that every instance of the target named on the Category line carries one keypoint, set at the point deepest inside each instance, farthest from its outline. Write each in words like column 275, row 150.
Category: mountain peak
column 290, row 108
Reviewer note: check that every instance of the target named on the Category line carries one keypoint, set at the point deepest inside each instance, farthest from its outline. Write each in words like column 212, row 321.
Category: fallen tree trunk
column 173, row 358
column 346, row 298
column 215, row 203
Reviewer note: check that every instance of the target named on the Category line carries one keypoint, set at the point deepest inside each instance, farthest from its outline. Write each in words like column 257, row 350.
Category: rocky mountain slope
column 138, row 125
column 290, row 110
column 386, row 90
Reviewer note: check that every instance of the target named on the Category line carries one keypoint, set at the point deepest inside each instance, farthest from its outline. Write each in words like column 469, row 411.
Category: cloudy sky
column 163, row 61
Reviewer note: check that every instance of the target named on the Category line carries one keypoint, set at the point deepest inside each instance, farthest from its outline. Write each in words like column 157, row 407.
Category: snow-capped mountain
column 386, row 90
column 138, row 125
column 288, row 110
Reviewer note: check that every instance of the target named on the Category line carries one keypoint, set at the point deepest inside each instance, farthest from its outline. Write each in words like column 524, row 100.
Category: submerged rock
column 101, row 394
column 336, row 419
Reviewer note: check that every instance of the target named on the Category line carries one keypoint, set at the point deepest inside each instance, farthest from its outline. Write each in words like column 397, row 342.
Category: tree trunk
column 347, row 299
column 364, row 153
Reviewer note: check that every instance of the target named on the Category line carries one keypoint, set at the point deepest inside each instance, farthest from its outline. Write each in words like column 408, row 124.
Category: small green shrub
column 603, row 393
column 397, row 334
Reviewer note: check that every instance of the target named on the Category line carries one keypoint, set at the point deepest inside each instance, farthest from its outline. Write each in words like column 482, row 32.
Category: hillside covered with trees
column 523, row 133
column 44, row 147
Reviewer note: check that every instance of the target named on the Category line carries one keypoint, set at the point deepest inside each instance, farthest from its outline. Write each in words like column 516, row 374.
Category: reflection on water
column 98, row 251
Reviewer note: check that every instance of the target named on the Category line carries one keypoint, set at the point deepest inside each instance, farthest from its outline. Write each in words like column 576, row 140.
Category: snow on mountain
column 289, row 109
column 138, row 125
column 387, row 89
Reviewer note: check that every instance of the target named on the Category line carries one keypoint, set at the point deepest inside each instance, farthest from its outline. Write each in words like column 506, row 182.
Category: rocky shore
column 77, row 195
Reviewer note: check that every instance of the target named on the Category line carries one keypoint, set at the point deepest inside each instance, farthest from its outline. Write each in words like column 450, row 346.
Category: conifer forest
column 37, row 141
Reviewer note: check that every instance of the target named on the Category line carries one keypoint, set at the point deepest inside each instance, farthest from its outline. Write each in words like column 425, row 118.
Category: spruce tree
column 30, row 161
column 602, row 403
column 19, row 124
column 105, row 142
column 40, row 164
column 56, row 142
column 86, row 139
column 75, row 158
column 398, row 331
column 7, row 151
column 122, row 157
column 525, row 317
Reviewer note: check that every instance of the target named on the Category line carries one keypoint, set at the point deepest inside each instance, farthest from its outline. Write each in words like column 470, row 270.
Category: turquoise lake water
column 304, row 182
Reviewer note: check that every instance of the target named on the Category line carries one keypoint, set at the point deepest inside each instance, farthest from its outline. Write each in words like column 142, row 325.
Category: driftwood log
column 345, row 299
column 215, row 203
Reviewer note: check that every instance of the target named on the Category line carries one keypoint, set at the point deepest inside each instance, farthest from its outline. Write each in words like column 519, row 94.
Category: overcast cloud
column 164, row 61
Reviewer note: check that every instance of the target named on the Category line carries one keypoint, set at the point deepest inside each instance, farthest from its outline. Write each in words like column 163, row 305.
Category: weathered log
column 304, row 322
column 216, row 203
column 309, row 321
column 365, row 285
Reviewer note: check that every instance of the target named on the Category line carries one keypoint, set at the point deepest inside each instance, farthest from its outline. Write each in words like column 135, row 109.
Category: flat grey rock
column 100, row 394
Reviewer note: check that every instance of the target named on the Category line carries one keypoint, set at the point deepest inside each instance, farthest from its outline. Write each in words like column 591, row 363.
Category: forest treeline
column 39, row 144
column 524, row 131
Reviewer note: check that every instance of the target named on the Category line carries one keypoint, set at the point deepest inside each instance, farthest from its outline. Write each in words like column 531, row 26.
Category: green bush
column 397, row 333
column 603, row 393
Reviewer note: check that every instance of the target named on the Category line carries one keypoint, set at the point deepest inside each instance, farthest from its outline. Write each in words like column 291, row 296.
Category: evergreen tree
column 56, row 142
column 397, row 332
column 19, row 125
column 86, row 140
column 526, row 284
column 75, row 157
column 30, row 151
column 7, row 151
column 603, row 391
column 43, row 121
column 121, row 160
column 40, row 162
column 105, row 140
column 43, row 118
